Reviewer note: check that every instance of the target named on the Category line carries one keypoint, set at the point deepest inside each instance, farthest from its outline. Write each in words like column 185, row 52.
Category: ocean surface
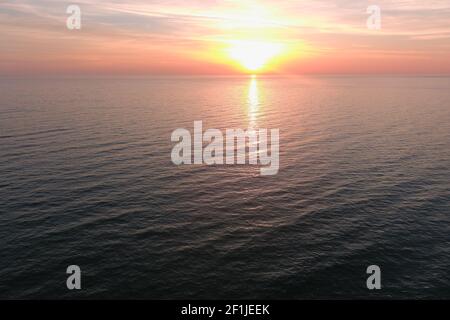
column 87, row 179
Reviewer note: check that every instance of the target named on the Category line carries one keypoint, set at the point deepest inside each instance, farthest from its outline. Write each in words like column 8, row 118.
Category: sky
column 188, row 37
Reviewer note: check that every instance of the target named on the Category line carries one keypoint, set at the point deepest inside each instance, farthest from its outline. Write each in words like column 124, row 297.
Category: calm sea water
column 87, row 179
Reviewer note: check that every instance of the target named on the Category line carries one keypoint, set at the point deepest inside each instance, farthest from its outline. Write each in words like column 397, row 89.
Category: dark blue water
column 87, row 179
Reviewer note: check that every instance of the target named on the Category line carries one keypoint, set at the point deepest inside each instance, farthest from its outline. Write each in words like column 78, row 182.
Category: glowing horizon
column 224, row 37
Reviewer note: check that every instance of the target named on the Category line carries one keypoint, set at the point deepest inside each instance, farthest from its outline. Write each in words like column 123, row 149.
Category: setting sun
column 254, row 55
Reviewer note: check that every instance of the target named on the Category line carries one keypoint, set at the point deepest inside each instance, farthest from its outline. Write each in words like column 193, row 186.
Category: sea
column 86, row 179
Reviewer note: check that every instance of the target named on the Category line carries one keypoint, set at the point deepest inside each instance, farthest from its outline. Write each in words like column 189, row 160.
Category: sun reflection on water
column 253, row 102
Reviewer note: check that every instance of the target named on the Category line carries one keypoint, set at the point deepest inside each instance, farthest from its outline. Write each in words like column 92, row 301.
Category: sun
column 254, row 55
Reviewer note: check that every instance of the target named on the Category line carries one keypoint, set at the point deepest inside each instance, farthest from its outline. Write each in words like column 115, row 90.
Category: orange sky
column 224, row 37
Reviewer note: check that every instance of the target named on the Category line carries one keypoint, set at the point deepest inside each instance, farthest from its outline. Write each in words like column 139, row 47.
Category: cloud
column 177, row 33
